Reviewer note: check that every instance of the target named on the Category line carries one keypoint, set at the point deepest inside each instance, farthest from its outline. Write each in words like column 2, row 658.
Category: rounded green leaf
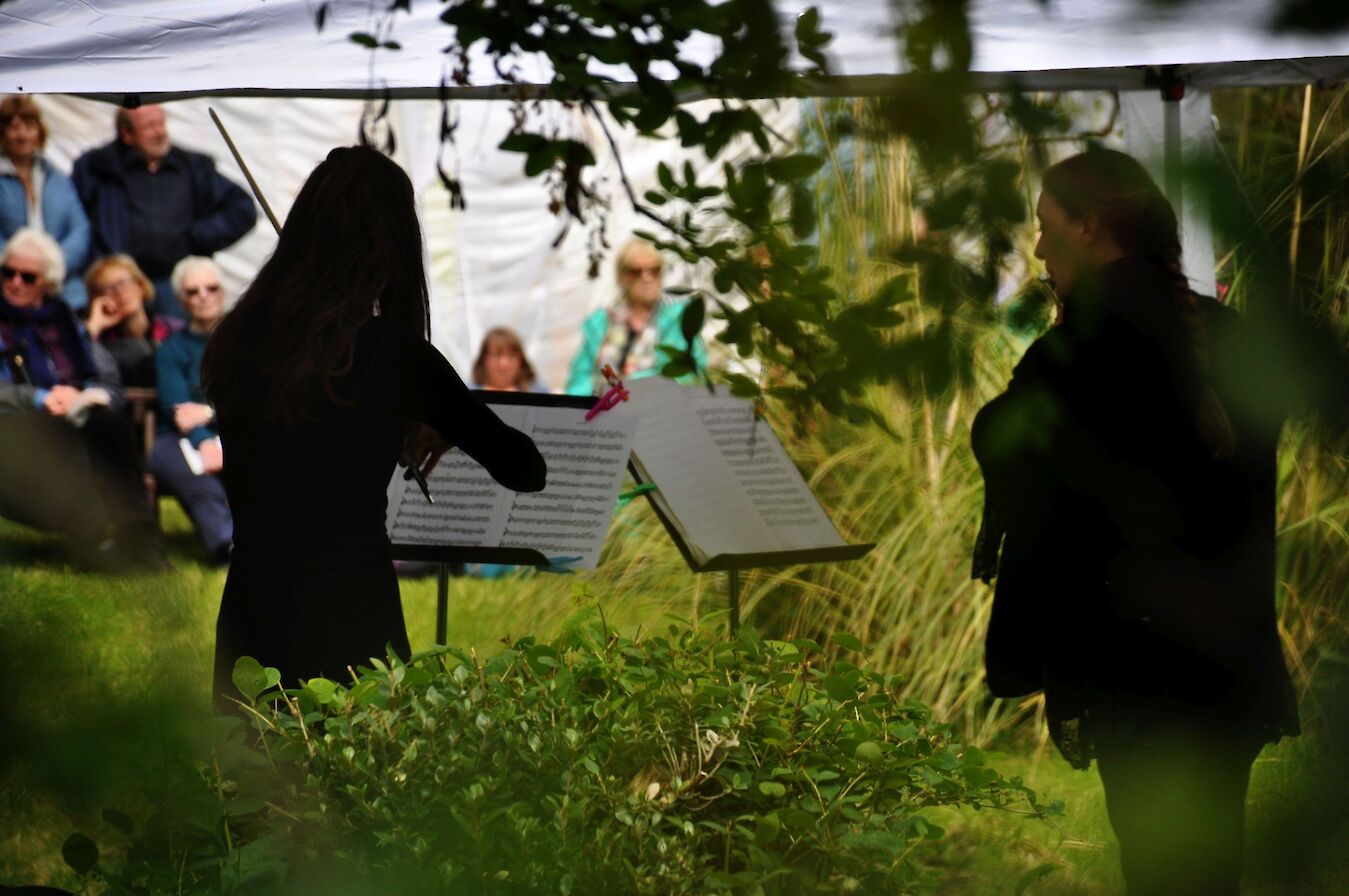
column 772, row 788
column 868, row 751
column 249, row 677
column 80, row 853
column 321, row 689
column 846, row 641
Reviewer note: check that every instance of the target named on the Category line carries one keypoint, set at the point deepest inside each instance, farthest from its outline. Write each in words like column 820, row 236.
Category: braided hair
column 1118, row 190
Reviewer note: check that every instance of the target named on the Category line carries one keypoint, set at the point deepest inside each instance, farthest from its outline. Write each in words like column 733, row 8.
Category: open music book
column 569, row 518
column 725, row 488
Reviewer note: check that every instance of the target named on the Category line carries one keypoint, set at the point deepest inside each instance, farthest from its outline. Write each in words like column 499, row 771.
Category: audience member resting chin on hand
column 120, row 318
column 69, row 460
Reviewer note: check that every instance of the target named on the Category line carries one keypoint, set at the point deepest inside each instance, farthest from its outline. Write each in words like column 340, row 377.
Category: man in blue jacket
column 158, row 203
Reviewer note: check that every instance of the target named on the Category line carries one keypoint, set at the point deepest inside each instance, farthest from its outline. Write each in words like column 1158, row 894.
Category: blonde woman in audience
column 628, row 334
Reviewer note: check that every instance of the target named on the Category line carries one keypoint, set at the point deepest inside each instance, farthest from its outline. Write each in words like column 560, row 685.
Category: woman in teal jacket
column 627, row 335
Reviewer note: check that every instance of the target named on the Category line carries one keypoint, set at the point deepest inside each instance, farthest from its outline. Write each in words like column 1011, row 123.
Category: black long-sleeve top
column 318, row 489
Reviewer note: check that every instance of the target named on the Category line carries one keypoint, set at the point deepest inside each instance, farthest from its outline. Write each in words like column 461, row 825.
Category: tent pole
column 1173, row 91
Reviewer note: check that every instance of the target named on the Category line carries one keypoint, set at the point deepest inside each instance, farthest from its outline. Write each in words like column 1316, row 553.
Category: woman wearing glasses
column 119, row 317
column 69, row 460
column 627, row 335
column 187, row 458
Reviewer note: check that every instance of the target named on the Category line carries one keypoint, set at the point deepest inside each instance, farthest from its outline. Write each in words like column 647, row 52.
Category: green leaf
column 839, row 688
column 80, row 853
column 1039, row 872
column 803, row 211
column 119, row 820
column 794, row 167
column 680, row 365
column 742, row 386
column 322, row 689
column 522, row 141
column 772, row 788
column 691, row 321
column 767, row 827
column 365, row 40
column 249, row 677
column 846, row 641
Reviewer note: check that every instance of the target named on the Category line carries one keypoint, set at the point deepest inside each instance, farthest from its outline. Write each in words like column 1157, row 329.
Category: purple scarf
column 27, row 332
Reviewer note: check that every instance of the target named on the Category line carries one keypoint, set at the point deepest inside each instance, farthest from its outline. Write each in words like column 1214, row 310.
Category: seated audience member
column 34, row 194
column 626, row 335
column 70, row 461
column 502, row 366
column 156, row 202
column 186, row 458
column 120, row 318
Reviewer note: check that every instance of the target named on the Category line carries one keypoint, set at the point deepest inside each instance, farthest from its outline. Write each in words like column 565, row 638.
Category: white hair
column 185, row 267
column 53, row 259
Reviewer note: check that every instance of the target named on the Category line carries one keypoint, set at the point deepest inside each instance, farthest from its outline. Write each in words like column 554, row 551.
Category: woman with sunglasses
column 70, row 462
column 187, row 458
column 627, row 335
column 33, row 193
column 120, row 319
column 323, row 379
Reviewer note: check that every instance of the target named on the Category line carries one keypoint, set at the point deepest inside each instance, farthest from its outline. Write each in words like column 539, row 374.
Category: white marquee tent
column 287, row 93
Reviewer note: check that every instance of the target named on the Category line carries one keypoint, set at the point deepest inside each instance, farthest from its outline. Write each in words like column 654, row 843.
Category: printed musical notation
column 722, row 475
column 586, row 463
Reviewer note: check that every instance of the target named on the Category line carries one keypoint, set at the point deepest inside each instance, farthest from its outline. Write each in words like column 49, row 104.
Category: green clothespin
column 636, row 492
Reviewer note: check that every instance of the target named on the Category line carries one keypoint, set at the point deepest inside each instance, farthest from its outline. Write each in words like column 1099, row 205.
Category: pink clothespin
column 615, row 394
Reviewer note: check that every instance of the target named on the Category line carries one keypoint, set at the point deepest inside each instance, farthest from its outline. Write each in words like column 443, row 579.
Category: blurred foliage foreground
column 592, row 763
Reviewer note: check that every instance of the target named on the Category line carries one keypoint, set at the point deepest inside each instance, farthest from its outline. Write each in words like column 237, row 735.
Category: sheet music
column 569, row 518
column 773, row 485
column 726, row 480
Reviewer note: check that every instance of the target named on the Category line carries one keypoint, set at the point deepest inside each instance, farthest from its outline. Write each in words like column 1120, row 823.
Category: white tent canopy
column 496, row 262
column 238, row 47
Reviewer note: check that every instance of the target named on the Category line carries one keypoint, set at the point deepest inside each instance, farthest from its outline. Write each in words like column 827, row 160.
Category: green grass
column 105, row 676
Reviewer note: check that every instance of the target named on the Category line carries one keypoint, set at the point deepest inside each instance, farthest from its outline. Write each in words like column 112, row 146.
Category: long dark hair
column 1118, row 190
column 351, row 244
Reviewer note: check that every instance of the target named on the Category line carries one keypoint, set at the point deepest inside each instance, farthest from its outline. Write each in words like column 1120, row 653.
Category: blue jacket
column 62, row 217
column 222, row 211
column 666, row 321
column 178, row 380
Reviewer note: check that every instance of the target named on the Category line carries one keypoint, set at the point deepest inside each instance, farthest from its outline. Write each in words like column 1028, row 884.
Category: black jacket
column 1136, row 574
column 222, row 211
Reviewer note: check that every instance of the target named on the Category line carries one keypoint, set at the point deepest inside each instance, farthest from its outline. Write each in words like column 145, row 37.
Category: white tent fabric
column 495, row 262
column 491, row 264
column 239, row 46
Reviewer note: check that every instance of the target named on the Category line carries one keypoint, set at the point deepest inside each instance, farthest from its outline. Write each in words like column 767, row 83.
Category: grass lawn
column 103, row 677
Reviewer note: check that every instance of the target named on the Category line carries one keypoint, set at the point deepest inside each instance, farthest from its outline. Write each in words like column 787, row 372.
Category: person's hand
column 58, row 400
column 212, row 456
column 422, row 448
column 190, row 414
column 103, row 313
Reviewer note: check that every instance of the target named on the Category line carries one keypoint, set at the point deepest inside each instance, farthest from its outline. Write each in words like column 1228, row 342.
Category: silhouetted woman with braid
column 1135, row 516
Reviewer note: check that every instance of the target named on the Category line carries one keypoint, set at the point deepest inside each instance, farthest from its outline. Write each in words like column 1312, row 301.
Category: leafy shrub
column 594, row 763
